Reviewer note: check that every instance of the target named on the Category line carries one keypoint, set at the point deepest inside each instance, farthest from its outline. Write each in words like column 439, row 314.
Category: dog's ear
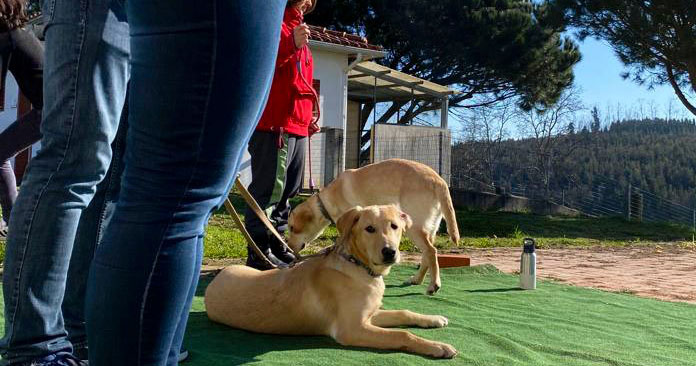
column 347, row 220
column 406, row 219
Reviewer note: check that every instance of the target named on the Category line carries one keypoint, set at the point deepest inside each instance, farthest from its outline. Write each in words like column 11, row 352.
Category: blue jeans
column 200, row 75
column 85, row 76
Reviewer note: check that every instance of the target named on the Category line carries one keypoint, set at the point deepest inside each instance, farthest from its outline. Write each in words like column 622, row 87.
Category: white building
column 345, row 77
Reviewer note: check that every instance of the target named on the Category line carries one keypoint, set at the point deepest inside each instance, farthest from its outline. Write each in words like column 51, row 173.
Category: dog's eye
column 292, row 230
column 370, row 229
column 394, row 226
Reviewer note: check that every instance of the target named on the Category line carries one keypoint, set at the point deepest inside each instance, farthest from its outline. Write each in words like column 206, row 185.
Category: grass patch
column 478, row 229
column 484, row 230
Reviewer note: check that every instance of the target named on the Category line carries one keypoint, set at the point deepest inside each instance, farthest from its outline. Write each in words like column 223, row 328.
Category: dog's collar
column 350, row 258
column 323, row 210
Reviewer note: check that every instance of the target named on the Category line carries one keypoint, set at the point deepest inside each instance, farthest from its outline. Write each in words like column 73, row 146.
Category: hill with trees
column 655, row 155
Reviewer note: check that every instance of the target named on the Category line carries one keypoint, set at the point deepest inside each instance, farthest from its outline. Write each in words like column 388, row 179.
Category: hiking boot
column 183, row 355
column 61, row 359
column 254, row 261
column 3, row 229
column 279, row 250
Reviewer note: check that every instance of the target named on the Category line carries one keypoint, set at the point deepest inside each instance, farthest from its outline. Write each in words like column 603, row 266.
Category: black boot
column 254, row 261
column 279, row 250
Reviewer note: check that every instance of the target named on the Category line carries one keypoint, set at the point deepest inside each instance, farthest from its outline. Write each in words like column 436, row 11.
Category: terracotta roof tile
column 322, row 34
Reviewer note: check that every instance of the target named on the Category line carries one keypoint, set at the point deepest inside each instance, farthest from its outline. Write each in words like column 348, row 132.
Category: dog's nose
column 388, row 254
column 302, row 246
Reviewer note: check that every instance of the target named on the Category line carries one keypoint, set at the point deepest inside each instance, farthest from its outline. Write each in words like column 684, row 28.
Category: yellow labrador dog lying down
column 413, row 187
column 338, row 293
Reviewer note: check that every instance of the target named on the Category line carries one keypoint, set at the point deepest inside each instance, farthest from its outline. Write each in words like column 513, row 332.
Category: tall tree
column 548, row 131
column 596, row 120
column 488, row 126
column 497, row 49
column 655, row 39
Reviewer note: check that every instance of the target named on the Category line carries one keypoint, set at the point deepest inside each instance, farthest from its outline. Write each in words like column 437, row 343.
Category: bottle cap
column 529, row 245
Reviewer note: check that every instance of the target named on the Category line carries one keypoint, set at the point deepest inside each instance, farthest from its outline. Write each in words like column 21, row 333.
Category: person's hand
column 301, row 35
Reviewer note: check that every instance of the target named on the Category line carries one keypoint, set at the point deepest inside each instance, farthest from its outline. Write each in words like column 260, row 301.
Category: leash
column 313, row 128
column 251, row 202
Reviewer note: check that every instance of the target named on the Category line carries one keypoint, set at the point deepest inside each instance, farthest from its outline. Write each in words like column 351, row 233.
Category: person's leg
column 176, row 349
column 8, row 191
column 86, row 70
column 293, row 181
column 267, row 171
column 89, row 231
column 200, row 73
column 292, row 184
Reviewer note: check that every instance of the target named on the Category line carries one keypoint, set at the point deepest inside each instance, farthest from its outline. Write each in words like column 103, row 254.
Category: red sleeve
column 286, row 49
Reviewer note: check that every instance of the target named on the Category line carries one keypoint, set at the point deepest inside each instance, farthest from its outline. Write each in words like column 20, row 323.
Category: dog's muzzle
column 388, row 255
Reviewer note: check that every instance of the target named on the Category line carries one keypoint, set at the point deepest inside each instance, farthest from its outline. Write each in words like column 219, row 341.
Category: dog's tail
column 448, row 213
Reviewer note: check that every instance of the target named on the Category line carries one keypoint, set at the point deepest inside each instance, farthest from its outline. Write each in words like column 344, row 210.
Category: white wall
column 328, row 69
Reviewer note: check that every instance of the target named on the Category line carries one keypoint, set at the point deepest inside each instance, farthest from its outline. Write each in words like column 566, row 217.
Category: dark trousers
column 276, row 176
column 21, row 53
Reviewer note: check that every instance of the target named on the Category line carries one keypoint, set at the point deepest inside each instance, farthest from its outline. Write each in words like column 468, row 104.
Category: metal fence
column 603, row 197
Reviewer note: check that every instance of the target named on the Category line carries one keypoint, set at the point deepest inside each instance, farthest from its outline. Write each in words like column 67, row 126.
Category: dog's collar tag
column 358, row 263
column 323, row 210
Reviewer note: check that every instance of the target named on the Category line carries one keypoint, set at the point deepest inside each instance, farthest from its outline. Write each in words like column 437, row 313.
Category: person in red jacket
column 278, row 145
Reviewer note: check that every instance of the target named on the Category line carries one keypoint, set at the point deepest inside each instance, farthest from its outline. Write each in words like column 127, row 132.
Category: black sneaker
column 183, row 355
column 279, row 250
column 254, row 261
column 62, row 359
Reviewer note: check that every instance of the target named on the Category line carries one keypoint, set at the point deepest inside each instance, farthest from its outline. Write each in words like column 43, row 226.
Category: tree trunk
column 677, row 89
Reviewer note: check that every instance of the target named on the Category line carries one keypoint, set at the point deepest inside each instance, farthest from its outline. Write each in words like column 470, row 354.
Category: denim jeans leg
column 200, row 74
column 183, row 318
column 86, row 70
column 89, row 232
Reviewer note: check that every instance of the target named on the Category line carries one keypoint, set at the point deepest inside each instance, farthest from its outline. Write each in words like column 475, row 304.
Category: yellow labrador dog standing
column 338, row 294
column 413, row 187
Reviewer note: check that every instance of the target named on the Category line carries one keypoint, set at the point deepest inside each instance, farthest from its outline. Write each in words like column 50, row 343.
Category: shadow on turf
column 209, row 341
column 495, row 290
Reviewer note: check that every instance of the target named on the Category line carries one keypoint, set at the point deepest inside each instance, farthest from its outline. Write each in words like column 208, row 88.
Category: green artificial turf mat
column 492, row 322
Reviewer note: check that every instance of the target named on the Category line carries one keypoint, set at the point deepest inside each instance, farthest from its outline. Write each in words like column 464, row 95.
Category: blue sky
column 599, row 77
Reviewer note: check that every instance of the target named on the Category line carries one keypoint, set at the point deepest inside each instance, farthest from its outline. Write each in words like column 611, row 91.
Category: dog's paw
column 413, row 281
column 434, row 321
column 432, row 289
column 443, row 350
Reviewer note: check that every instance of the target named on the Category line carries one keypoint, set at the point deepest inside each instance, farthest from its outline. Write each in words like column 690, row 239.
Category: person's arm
column 287, row 48
column 291, row 41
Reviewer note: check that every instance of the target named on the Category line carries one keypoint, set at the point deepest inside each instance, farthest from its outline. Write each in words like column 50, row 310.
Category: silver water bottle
column 528, row 265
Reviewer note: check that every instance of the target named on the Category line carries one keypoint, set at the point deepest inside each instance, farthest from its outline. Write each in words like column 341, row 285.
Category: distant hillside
column 656, row 155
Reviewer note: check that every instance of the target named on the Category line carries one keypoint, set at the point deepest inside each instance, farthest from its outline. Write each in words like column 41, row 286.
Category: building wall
column 329, row 70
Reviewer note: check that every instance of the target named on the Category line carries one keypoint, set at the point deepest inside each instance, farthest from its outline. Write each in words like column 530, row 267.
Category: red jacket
column 290, row 103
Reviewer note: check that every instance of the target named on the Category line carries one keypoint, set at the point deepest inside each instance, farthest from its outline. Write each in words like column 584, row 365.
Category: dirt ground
column 666, row 272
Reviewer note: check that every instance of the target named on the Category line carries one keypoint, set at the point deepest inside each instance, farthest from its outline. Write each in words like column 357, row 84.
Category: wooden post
column 444, row 112
column 22, row 159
